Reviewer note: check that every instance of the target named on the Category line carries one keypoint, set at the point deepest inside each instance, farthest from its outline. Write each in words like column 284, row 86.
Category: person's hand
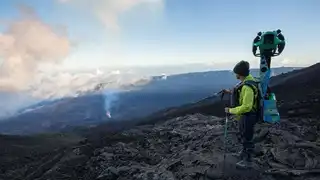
column 227, row 110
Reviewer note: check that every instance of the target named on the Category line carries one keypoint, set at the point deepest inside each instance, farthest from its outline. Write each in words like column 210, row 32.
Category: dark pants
column 246, row 132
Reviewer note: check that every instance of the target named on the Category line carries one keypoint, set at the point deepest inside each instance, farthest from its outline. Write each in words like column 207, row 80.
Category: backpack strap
column 254, row 86
column 235, row 95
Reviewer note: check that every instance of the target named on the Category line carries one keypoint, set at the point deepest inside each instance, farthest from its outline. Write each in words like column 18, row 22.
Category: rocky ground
column 181, row 144
column 23, row 157
column 189, row 147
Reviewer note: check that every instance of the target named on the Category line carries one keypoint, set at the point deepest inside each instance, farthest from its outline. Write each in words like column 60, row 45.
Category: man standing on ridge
column 244, row 105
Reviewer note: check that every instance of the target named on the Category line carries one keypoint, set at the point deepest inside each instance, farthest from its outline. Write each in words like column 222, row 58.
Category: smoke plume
column 109, row 97
column 26, row 43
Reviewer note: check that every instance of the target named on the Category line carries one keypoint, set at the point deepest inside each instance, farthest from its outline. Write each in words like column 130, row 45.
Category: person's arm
column 247, row 103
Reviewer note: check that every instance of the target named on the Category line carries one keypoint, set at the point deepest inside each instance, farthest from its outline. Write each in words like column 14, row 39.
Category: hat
column 242, row 68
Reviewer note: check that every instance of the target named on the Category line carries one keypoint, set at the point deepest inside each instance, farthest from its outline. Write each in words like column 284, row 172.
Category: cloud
column 292, row 62
column 289, row 62
column 108, row 11
column 26, row 43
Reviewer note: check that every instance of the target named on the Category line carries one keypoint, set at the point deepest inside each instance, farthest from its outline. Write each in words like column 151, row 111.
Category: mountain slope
column 57, row 116
column 297, row 92
column 142, row 100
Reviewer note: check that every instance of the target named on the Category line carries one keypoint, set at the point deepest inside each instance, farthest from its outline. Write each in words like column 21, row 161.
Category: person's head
column 241, row 69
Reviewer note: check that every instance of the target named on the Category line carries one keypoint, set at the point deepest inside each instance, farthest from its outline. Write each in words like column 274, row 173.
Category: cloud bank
column 26, row 43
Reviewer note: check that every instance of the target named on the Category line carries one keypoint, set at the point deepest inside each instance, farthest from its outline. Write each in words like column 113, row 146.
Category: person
column 244, row 108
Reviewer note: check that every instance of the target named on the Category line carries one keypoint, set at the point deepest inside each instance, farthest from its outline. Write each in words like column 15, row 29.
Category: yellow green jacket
column 246, row 99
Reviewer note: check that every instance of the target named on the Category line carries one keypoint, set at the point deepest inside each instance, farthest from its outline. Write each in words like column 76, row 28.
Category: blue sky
column 180, row 31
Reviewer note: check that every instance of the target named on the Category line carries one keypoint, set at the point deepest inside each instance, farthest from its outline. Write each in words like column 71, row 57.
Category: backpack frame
column 266, row 109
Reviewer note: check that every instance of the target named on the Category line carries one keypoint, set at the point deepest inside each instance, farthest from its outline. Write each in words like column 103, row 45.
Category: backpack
column 266, row 109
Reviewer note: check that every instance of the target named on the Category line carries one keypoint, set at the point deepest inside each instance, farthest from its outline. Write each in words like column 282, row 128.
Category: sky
column 114, row 33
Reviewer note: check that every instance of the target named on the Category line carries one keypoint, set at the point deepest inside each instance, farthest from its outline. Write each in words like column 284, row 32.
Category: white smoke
column 110, row 96
column 25, row 44
column 164, row 76
column 108, row 114
column 66, row 84
column 61, row 84
column 28, row 43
